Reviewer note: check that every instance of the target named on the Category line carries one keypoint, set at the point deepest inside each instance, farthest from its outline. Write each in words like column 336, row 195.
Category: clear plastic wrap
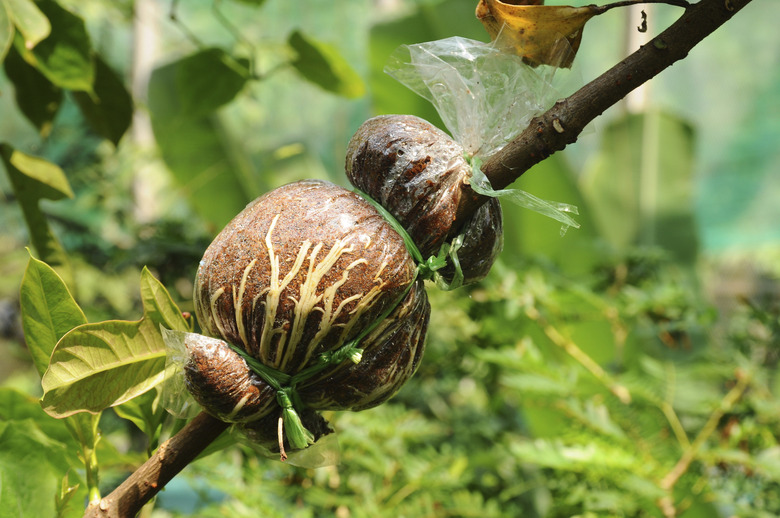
column 485, row 96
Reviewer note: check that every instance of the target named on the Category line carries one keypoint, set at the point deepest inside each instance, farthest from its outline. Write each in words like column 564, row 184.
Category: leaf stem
column 600, row 9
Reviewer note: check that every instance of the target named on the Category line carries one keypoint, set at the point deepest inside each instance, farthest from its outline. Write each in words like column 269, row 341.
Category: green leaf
column 96, row 366
column 31, row 467
column 65, row 57
column 324, row 66
column 48, row 311
column 33, row 179
column 254, row 3
column 6, row 31
column 527, row 232
column 29, row 21
column 640, row 186
column 109, row 111
column 202, row 82
column 36, row 97
column 182, row 99
column 158, row 305
column 146, row 412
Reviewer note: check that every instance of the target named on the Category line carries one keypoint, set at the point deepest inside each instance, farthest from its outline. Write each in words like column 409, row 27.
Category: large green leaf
column 639, row 187
column 34, row 179
column 183, row 97
column 323, row 65
column 201, row 82
column 110, row 109
column 36, row 97
column 29, row 21
column 31, row 467
column 96, row 366
column 529, row 233
column 6, row 31
column 65, row 56
column 48, row 311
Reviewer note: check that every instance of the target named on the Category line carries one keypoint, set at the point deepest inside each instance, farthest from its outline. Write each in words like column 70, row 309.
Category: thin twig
column 666, row 504
column 573, row 350
column 626, row 3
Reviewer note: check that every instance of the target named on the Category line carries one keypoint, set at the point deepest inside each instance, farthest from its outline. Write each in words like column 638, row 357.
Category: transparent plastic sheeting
column 485, row 96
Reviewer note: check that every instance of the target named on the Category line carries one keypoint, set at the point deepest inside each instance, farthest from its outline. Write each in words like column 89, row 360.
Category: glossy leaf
column 29, row 21
column 48, row 311
column 183, row 97
column 96, row 366
column 65, row 57
column 36, row 97
column 34, row 179
column 109, row 110
column 324, row 66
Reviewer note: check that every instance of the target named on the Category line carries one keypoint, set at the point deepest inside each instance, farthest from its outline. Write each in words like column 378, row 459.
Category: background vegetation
column 624, row 369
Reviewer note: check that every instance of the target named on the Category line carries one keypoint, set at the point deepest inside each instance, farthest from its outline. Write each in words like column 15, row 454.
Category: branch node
column 557, row 126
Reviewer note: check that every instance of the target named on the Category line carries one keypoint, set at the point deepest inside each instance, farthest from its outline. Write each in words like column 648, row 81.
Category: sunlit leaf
column 109, row 110
column 36, row 97
column 65, row 57
column 48, row 311
column 29, row 21
column 34, row 179
column 324, row 66
column 96, row 366
column 541, row 34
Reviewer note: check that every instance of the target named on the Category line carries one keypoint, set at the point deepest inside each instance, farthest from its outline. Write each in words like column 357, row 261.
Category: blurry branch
column 561, row 125
column 689, row 453
column 170, row 458
column 573, row 350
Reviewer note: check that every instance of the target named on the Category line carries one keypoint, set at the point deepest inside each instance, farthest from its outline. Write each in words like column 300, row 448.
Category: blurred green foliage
column 611, row 372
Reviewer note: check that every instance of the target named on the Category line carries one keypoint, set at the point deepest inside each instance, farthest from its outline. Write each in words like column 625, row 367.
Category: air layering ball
column 300, row 272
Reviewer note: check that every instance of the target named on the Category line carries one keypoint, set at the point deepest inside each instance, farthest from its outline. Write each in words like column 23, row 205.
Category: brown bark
column 170, row 458
column 562, row 124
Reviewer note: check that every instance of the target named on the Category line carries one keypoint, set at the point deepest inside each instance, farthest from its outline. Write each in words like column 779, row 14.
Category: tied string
column 285, row 384
column 427, row 269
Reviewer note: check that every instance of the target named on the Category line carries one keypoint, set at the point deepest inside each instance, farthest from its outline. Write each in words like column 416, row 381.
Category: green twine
column 285, row 384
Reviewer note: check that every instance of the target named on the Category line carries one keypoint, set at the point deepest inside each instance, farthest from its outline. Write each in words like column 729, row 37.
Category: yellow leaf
column 541, row 34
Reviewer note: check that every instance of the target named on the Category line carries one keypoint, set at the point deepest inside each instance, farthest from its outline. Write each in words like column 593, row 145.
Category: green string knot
column 348, row 351
column 297, row 434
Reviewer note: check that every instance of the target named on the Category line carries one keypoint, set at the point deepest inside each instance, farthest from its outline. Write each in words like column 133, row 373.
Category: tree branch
column 546, row 134
column 170, row 458
column 561, row 125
